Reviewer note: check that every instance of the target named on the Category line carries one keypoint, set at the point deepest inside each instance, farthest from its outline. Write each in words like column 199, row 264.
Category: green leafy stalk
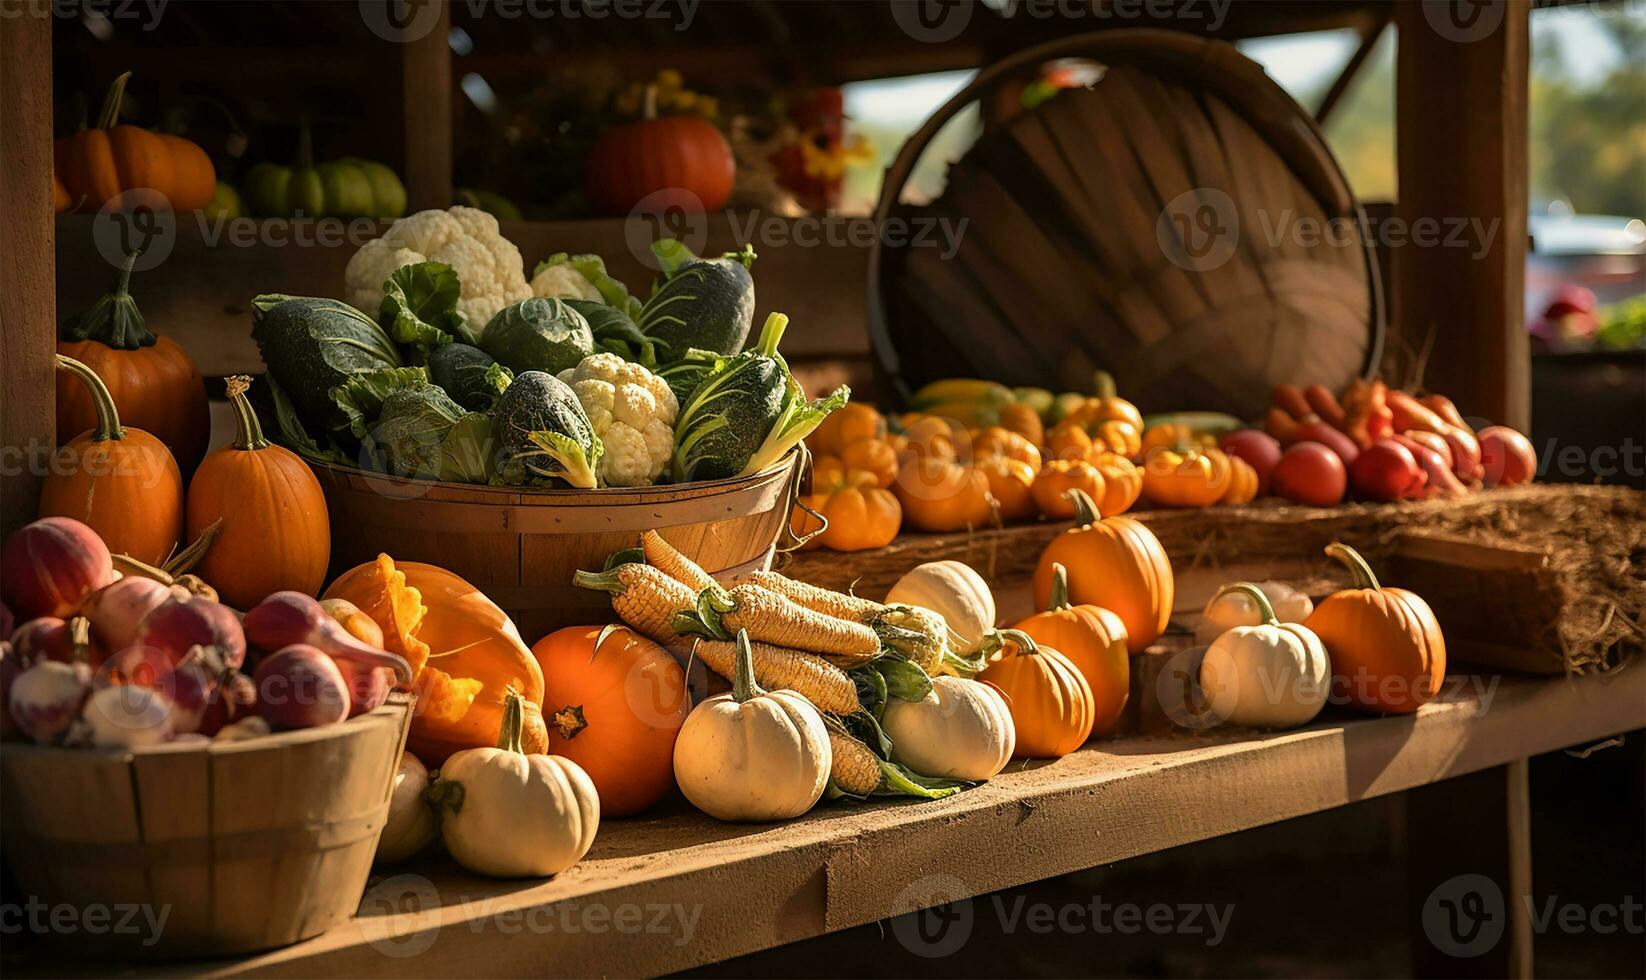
column 360, row 397
column 419, row 309
column 568, row 460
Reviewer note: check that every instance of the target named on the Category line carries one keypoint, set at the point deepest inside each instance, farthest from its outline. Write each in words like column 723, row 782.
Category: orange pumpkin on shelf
column 942, row 495
column 275, row 534
column 99, row 164
column 1023, row 420
column 670, row 162
column 998, row 441
column 153, row 382
column 1122, row 483
column 928, row 437
column 874, row 456
column 1176, row 435
column 1387, row 650
column 1094, row 640
column 860, row 514
column 851, row 423
column 1074, row 439
column 1105, row 406
column 1054, row 481
column 1186, row 477
column 614, row 702
column 1011, row 481
column 1049, row 700
column 1242, row 482
column 1113, row 562
column 121, row 482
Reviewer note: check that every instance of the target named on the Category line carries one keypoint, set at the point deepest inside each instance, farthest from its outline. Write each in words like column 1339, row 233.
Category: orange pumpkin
column 852, row 422
column 99, row 164
column 122, row 483
column 1094, row 640
column 1054, row 481
column 614, row 702
column 1023, row 420
column 275, row 533
column 1050, row 702
column 1122, row 483
column 1074, row 439
column 1113, row 562
column 464, row 652
column 860, row 514
column 1176, row 435
column 1186, row 477
column 999, row 441
column 1242, row 482
column 153, row 382
column 1105, row 405
column 1387, row 650
column 928, row 436
column 1011, row 481
column 874, row 456
column 942, row 495
column 683, row 160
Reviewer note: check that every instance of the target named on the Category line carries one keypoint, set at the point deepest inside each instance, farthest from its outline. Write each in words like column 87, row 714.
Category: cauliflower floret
column 565, row 282
column 633, row 412
column 467, row 239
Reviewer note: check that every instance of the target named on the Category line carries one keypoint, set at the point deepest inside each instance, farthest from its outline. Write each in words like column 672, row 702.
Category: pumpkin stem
column 1085, row 508
column 1103, row 385
column 569, row 721
column 248, row 431
column 514, row 721
column 1060, row 588
column 114, row 320
column 444, row 793
column 1025, row 643
column 108, row 420
column 1265, row 609
column 111, row 102
column 1359, row 571
column 744, row 686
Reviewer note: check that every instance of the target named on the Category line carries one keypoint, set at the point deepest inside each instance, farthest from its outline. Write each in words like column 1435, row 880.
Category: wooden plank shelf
column 678, row 889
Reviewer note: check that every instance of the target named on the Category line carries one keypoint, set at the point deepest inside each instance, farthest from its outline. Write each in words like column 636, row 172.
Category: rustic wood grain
column 427, row 90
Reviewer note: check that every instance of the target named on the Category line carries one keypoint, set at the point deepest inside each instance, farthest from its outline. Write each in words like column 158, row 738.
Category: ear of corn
column 773, row 619
column 665, row 557
column 817, row 598
column 776, row 668
column 643, row 597
column 919, row 634
column 855, row 771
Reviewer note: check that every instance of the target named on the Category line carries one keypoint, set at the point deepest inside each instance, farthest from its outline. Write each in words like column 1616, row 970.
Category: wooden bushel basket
column 520, row 547
column 241, row 846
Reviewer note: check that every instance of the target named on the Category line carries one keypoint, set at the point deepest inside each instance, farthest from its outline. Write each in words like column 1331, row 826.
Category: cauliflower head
column 633, row 412
column 467, row 239
column 564, row 282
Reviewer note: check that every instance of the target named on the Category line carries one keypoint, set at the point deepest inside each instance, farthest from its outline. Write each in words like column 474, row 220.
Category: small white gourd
column 957, row 593
column 1274, row 675
column 1229, row 609
column 412, row 824
column 961, row 730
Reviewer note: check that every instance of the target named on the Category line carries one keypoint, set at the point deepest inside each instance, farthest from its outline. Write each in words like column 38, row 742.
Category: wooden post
column 1469, row 875
column 28, row 302
column 1461, row 135
column 427, row 89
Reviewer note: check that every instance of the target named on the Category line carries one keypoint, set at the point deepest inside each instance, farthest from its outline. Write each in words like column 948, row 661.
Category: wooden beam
column 427, row 71
column 28, row 306
column 1461, row 141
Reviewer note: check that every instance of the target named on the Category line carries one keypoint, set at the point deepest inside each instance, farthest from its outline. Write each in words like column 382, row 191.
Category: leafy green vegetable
column 360, row 397
column 538, row 335
column 422, row 433
column 746, row 413
column 593, row 268
column 290, row 427
column 672, row 253
column 545, row 433
column 704, row 303
column 683, row 376
column 312, row 345
column 616, row 333
column 469, row 376
column 419, row 309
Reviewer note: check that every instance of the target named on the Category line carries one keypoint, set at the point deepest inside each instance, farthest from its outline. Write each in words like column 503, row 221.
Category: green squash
column 347, row 188
column 704, row 303
column 469, row 376
column 312, row 345
column 538, row 335
column 544, row 433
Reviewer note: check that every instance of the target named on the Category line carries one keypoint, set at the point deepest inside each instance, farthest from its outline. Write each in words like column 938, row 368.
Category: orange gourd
column 1054, row 481
column 99, row 164
column 683, row 160
column 1094, row 640
column 1122, row 483
column 1387, row 650
column 853, row 422
column 928, row 436
column 153, row 382
column 275, row 533
column 465, row 655
column 942, row 495
column 1113, row 562
column 874, row 456
column 1050, row 702
column 1186, row 477
column 1105, row 405
column 614, row 702
column 999, row 441
column 1242, row 482
column 1075, row 439
column 860, row 514
column 1023, row 420
column 121, row 482
column 1176, row 435
column 1011, row 482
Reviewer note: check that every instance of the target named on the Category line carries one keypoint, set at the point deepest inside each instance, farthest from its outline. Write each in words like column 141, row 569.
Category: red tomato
column 1309, row 473
column 1387, row 471
column 1507, row 456
column 1259, row 449
column 1323, row 433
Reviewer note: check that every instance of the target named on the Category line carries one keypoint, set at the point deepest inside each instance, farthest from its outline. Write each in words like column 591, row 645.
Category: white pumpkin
column 1231, row 608
column 412, row 824
column 1273, row 675
column 958, row 594
column 510, row 815
column 751, row 754
column 962, row 730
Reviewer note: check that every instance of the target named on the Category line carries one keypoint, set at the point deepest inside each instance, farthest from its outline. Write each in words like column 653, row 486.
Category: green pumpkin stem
column 1060, row 589
column 514, row 722
column 1103, row 385
column 248, row 432
column 1359, row 571
column 110, row 115
column 114, row 320
column 744, row 686
column 108, row 420
column 1085, row 508
column 1025, row 643
column 1265, row 610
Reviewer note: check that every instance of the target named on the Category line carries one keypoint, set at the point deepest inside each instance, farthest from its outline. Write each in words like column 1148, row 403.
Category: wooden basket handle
column 802, row 470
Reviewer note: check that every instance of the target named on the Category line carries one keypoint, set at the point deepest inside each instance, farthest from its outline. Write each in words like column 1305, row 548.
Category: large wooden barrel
column 520, row 547
column 1180, row 223
column 213, row 848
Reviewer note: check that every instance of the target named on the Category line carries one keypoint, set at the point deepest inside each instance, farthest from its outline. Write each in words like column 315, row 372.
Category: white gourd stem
column 744, row 686
column 1358, row 569
column 514, row 719
column 1265, row 610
